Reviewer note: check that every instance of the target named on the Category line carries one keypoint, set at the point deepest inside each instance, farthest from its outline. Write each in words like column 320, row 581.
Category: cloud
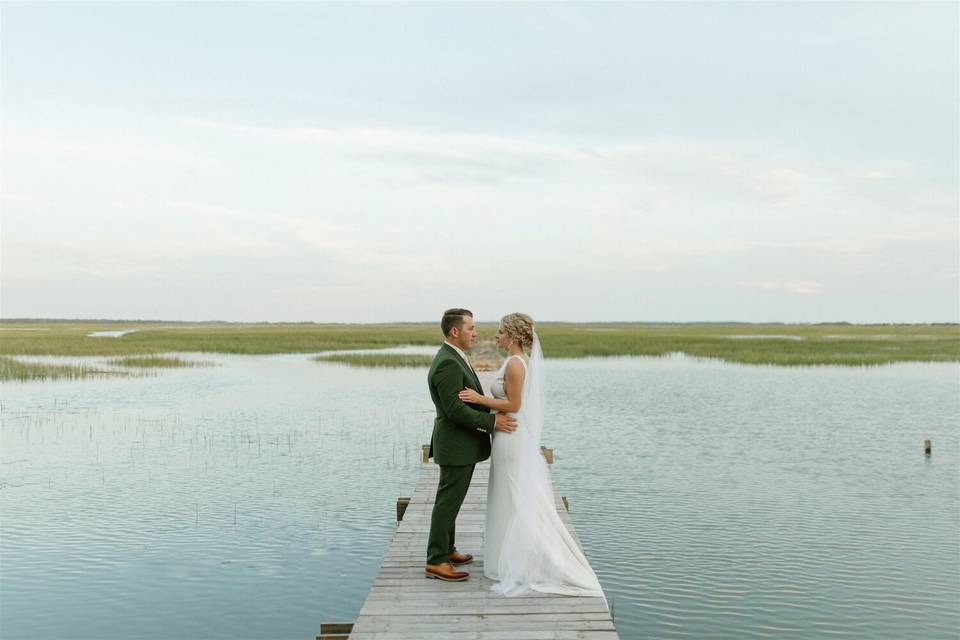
column 387, row 210
column 99, row 144
column 495, row 152
column 315, row 234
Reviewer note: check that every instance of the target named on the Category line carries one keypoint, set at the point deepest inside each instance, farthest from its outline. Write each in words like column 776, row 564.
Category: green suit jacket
column 461, row 432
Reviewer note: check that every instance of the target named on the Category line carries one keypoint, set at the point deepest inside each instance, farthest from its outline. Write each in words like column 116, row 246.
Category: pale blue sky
column 381, row 162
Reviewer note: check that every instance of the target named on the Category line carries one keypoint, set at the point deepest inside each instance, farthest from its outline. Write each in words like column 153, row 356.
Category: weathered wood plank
column 523, row 622
column 480, row 606
column 537, row 634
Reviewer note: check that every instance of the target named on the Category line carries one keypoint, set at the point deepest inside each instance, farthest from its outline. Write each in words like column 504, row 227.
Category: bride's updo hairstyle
column 519, row 326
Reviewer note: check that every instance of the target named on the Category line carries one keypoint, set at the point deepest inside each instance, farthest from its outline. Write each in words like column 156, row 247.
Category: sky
column 381, row 162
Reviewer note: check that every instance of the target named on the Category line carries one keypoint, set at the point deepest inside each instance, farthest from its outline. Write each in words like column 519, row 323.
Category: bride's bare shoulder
column 512, row 362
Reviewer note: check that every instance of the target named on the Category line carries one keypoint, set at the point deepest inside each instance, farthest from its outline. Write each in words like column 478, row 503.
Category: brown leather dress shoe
column 445, row 571
column 460, row 558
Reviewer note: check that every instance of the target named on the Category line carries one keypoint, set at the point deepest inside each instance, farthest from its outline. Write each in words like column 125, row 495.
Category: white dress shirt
column 462, row 355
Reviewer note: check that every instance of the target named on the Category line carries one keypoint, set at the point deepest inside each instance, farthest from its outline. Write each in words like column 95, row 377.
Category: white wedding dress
column 526, row 546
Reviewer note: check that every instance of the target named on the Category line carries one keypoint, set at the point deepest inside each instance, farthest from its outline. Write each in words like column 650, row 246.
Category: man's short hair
column 453, row 318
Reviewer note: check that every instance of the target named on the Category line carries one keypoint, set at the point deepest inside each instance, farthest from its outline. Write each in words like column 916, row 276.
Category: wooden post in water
column 566, row 504
column 402, row 507
column 927, row 447
column 425, row 452
column 547, row 454
column 335, row 630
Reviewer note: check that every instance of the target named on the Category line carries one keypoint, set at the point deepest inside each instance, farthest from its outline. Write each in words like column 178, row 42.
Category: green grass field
column 55, row 338
column 836, row 344
column 807, row 344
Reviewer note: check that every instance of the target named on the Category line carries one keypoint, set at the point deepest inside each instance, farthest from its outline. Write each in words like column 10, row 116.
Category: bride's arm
column 512, row 386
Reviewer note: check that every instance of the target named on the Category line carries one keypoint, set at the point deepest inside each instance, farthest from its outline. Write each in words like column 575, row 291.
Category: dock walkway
column 404, row 605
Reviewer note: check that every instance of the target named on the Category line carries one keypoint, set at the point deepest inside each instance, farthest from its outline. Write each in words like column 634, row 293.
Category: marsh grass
column 378, row 359
column 13, row 369
column 835, row 344
column 156, row 361
column 68, row 338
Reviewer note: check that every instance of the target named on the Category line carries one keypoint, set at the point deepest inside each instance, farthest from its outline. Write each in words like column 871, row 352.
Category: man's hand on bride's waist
column 505, row 423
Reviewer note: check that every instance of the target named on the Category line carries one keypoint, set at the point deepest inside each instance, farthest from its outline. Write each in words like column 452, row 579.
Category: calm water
column 255, row 499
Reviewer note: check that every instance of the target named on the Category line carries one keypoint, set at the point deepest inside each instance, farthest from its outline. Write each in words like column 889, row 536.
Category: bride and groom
column 526, row 546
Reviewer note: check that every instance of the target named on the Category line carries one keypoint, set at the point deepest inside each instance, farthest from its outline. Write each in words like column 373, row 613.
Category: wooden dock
column 404, row 605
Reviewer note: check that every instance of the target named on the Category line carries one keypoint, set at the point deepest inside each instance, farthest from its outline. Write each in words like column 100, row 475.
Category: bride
column 526, row 545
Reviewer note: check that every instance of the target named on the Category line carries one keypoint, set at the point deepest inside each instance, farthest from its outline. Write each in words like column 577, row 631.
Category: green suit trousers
column 454, row 482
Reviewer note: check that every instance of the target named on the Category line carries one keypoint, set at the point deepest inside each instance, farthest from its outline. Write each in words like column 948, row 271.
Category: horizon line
column 428, row 322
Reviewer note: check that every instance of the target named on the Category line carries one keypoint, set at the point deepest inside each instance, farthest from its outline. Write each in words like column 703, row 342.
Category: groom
column 461, row 439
